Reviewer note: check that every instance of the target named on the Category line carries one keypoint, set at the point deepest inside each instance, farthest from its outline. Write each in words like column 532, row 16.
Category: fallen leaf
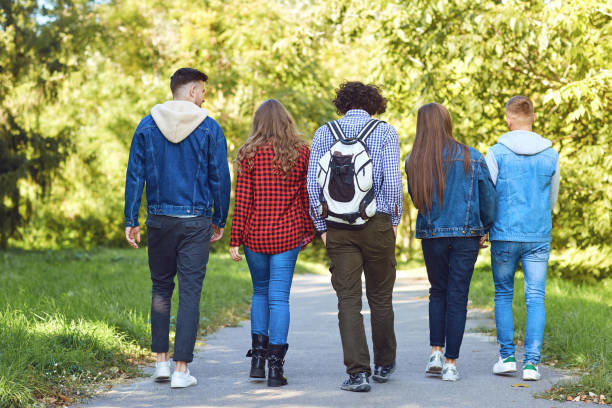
column 520, row 385
column 65, row 398
column 592, row 394
column 577, row 398
column 570, row 398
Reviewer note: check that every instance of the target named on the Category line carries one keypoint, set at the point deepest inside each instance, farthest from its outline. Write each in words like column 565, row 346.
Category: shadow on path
column 315, row 370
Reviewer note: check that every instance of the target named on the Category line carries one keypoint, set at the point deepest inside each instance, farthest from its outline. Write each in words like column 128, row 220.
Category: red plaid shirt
column 271, row 211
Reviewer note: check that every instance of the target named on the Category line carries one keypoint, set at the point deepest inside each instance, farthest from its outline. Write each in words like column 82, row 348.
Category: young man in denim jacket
column 180, row 153
column 525, row 169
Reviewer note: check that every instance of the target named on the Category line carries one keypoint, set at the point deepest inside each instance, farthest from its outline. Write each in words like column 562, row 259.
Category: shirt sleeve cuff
column 131, row 223
column 395, row 220
column 320, row 225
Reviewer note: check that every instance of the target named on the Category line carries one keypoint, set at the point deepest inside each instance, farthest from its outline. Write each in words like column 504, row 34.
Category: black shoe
column 382, row 373
column 276, row 360
column 357, row 382
column 258, row 355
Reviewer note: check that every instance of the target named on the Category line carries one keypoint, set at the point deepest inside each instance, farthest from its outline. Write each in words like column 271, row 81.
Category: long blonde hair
column 272, row 125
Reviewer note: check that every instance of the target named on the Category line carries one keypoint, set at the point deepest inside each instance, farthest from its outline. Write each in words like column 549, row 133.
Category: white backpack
column 345, row 176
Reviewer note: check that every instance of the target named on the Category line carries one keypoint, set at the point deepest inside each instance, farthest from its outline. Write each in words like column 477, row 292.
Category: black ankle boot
column 258, row 353
column 276, row 360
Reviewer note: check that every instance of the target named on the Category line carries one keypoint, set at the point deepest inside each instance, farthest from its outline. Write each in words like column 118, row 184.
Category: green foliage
column 474, row 56
column 470, row 56
column 60, row 335
column 577, row 329
column 39, row 46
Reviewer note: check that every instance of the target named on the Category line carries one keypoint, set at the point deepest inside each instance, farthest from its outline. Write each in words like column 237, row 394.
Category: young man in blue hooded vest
column 525, row 169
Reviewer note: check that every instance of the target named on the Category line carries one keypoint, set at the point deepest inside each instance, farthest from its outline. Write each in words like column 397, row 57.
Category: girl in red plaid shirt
column 272, row 223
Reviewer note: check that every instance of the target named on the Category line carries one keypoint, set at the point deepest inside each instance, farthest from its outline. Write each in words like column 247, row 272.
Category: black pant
column 450, row 264
column 177, row 245
column 370, row 250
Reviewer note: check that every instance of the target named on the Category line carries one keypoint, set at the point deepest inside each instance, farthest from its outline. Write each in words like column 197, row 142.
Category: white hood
column 524, row 142
column 177, row 119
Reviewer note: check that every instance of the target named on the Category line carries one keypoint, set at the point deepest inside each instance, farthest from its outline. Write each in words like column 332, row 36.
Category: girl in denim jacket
column 450, row 185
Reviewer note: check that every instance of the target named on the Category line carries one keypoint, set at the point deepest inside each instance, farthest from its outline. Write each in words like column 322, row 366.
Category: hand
column 132, row 234
column 217, row 233
column 324, row 238
column 484, row 239
column 395, row 230
column 234, row 254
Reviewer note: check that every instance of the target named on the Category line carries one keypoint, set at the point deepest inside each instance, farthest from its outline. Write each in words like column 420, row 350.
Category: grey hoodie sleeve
column 492, row 165
column 554, row 186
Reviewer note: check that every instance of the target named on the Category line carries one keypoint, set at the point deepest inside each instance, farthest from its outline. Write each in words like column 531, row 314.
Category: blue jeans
column 505, row 256
column 450, row 265
column 271, row 276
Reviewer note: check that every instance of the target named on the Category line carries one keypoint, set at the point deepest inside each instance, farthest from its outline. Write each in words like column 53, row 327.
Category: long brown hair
column 272, row 125
column 426, row 166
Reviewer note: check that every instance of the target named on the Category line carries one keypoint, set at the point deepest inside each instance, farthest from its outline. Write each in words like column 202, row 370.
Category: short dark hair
column 184, row 76
column 356, row 95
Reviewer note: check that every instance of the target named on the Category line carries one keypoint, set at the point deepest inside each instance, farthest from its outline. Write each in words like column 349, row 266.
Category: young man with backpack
column 355, row 191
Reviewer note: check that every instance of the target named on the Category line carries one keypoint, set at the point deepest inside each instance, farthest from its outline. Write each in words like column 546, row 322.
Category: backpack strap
column 368, row 129
column 336, row 130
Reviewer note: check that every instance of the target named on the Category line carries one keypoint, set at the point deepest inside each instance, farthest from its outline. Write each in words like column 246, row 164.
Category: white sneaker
column 531, row 372
column 162, row 371
column 450, row 373
column 182, row 380
column 434, row 365
column 505, row 366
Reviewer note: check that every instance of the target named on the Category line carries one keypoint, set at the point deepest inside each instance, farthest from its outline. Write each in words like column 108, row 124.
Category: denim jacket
column 469, row 205
column 525, row 169
column 185, row 176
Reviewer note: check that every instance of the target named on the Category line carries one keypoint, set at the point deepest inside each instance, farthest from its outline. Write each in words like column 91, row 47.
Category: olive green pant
column 371, row 250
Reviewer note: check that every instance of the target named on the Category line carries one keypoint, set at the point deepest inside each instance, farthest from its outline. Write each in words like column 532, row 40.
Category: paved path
column 314, row 363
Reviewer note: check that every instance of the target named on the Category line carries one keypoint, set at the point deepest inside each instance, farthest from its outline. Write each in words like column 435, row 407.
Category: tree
column 473, row 56
column 38, row 45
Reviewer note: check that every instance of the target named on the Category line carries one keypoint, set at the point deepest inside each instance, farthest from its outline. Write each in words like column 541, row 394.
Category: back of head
column 274, row 125
column 184, row 76
column 356, row 95
column 426, row 167
column 519, row 112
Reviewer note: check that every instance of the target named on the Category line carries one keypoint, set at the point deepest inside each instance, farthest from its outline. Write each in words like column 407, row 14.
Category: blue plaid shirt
column 384, row 150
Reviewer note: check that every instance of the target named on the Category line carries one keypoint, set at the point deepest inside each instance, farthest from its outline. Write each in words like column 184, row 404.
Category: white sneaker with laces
column 434, row 365
column 505, row 366
column 450, row 373
column 531, row 372
column 162, row 371
column 182, row 380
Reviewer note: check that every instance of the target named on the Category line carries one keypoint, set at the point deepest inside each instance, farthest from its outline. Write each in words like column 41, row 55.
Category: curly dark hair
column 356, row 95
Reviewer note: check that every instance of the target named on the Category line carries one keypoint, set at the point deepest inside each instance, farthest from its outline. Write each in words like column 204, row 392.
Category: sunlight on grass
column 74, row 320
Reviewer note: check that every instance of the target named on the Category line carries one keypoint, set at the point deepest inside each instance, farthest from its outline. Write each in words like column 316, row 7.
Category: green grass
column 578, row 325
column 70, row 320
